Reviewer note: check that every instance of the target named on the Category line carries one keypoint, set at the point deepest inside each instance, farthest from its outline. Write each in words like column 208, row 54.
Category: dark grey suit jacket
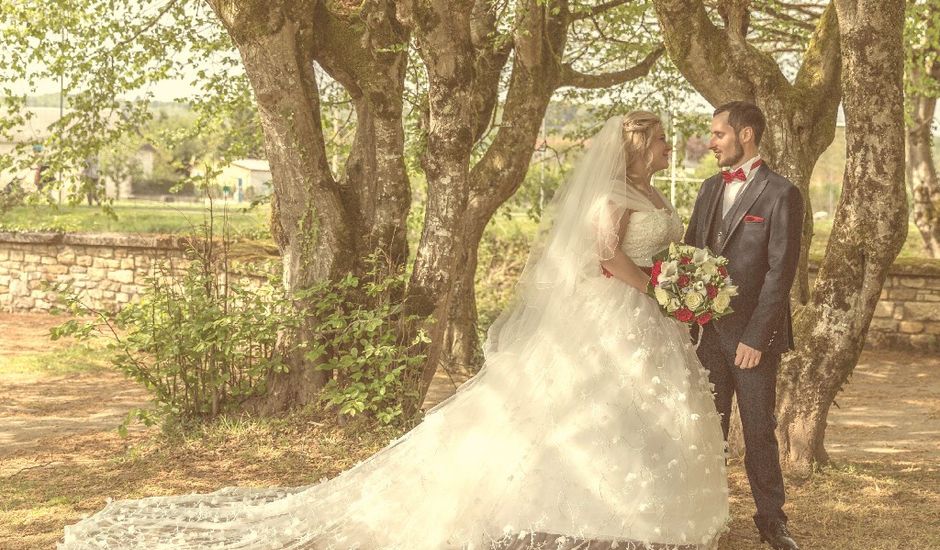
column 762, row 257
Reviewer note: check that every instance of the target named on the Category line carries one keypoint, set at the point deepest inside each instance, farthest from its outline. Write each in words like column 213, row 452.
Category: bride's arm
column 619, row 264
column 623, row 268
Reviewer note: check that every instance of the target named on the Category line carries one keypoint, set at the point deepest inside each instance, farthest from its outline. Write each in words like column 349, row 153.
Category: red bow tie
column 738, row 175
column 728, row 176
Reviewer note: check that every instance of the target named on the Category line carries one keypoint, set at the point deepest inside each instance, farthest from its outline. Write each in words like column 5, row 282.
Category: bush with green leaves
column 201, row 342
column 204, row 343
column 362, row 337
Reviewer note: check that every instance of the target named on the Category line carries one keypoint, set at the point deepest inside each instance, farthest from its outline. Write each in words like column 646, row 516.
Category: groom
column 753, row 217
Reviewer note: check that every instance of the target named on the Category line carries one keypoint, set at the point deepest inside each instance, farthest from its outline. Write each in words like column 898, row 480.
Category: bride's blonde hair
column 638, row 134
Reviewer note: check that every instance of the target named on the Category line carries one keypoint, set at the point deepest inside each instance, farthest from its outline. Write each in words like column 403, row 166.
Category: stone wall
column 111, row 268
column 908, row 314
column 108, row 268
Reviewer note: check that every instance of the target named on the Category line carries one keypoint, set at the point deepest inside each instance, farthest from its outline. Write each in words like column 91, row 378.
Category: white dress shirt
column 733, row 189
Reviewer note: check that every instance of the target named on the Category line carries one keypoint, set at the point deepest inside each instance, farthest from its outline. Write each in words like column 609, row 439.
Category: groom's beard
column 734, row 159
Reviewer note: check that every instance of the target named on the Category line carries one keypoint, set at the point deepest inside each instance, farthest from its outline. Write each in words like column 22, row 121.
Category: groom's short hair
column 742, row 114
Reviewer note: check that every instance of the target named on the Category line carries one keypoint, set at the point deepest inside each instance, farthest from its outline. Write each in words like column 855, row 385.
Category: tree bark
column 309, row 222
column 925, row 187
column 535, row 76
column 869, row 229
column 365, row 51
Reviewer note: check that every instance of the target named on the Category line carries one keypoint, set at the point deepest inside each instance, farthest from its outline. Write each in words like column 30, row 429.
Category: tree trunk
column 538, row 42
column 363, row 50
column 309, row 220
column 461, row 347
column 325, row 228
column 925, row 188
column 869, row 229
column 463, row 70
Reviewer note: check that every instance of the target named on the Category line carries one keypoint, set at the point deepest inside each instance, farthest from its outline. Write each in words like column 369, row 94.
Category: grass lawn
column 137, row 217
column 71, row 360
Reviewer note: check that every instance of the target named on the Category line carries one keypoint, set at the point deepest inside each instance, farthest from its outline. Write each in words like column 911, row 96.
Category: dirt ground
column 888, row 415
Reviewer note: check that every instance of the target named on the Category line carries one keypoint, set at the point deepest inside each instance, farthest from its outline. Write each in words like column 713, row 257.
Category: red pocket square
column 753, row 219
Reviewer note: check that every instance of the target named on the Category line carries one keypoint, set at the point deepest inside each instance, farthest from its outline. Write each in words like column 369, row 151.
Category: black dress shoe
column 776, row 534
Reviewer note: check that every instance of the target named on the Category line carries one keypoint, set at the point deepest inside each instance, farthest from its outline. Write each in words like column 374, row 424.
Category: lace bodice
column 650, row 229
column 649, row 232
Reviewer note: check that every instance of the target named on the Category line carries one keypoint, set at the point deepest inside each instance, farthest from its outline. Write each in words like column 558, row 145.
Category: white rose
column 661, row 296
column 700, row 256
column 722, row 301
column 709, row 268
column 694, row 300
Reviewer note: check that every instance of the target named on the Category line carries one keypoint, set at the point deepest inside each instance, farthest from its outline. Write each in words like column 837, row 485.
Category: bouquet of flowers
column 691, row 284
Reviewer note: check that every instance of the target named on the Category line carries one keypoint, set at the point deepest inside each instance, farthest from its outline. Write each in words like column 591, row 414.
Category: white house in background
column 145, row 156
column 245, row 179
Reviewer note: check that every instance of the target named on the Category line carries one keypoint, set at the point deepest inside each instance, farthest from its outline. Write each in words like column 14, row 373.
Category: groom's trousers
column 756, row 391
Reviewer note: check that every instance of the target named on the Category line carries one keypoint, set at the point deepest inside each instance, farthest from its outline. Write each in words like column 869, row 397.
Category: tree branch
column 700, row 50
column 821, row 69
column 571, row 77
column 535, row 76
column 597, row 10
column 805, row 24
column 736, row 15
column 146, row 26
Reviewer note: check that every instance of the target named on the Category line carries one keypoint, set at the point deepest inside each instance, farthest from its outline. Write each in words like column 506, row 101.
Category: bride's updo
column 638, row 133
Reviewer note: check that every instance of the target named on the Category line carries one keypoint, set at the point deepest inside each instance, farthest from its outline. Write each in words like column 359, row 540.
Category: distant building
column 147, row 156
column 245, row 179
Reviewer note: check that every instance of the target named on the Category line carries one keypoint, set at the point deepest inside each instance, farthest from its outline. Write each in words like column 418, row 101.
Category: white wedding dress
column 597, row 426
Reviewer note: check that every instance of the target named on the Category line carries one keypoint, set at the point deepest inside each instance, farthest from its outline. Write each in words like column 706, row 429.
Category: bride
column 591, row 424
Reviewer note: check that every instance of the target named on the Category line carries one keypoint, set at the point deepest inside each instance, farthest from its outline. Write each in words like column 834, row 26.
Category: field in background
column 139, row 217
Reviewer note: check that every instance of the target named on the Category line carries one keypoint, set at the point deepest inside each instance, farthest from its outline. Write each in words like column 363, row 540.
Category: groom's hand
column 746, row 357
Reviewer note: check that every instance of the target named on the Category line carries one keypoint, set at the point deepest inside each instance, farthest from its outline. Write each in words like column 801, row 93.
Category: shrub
column 360, row 337
column 201, row 343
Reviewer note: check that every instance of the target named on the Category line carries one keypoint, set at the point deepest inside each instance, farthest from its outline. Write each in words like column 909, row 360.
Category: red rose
column 654, row 280
column 684, row 314
column 712, row 291
column 722, row 271
column 683, row 281
column 703, row 318
column 685, row 260
column 657, row 268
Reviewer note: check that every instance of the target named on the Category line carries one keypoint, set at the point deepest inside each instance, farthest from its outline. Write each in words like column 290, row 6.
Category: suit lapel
column 746, row 200
column 713, row 201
